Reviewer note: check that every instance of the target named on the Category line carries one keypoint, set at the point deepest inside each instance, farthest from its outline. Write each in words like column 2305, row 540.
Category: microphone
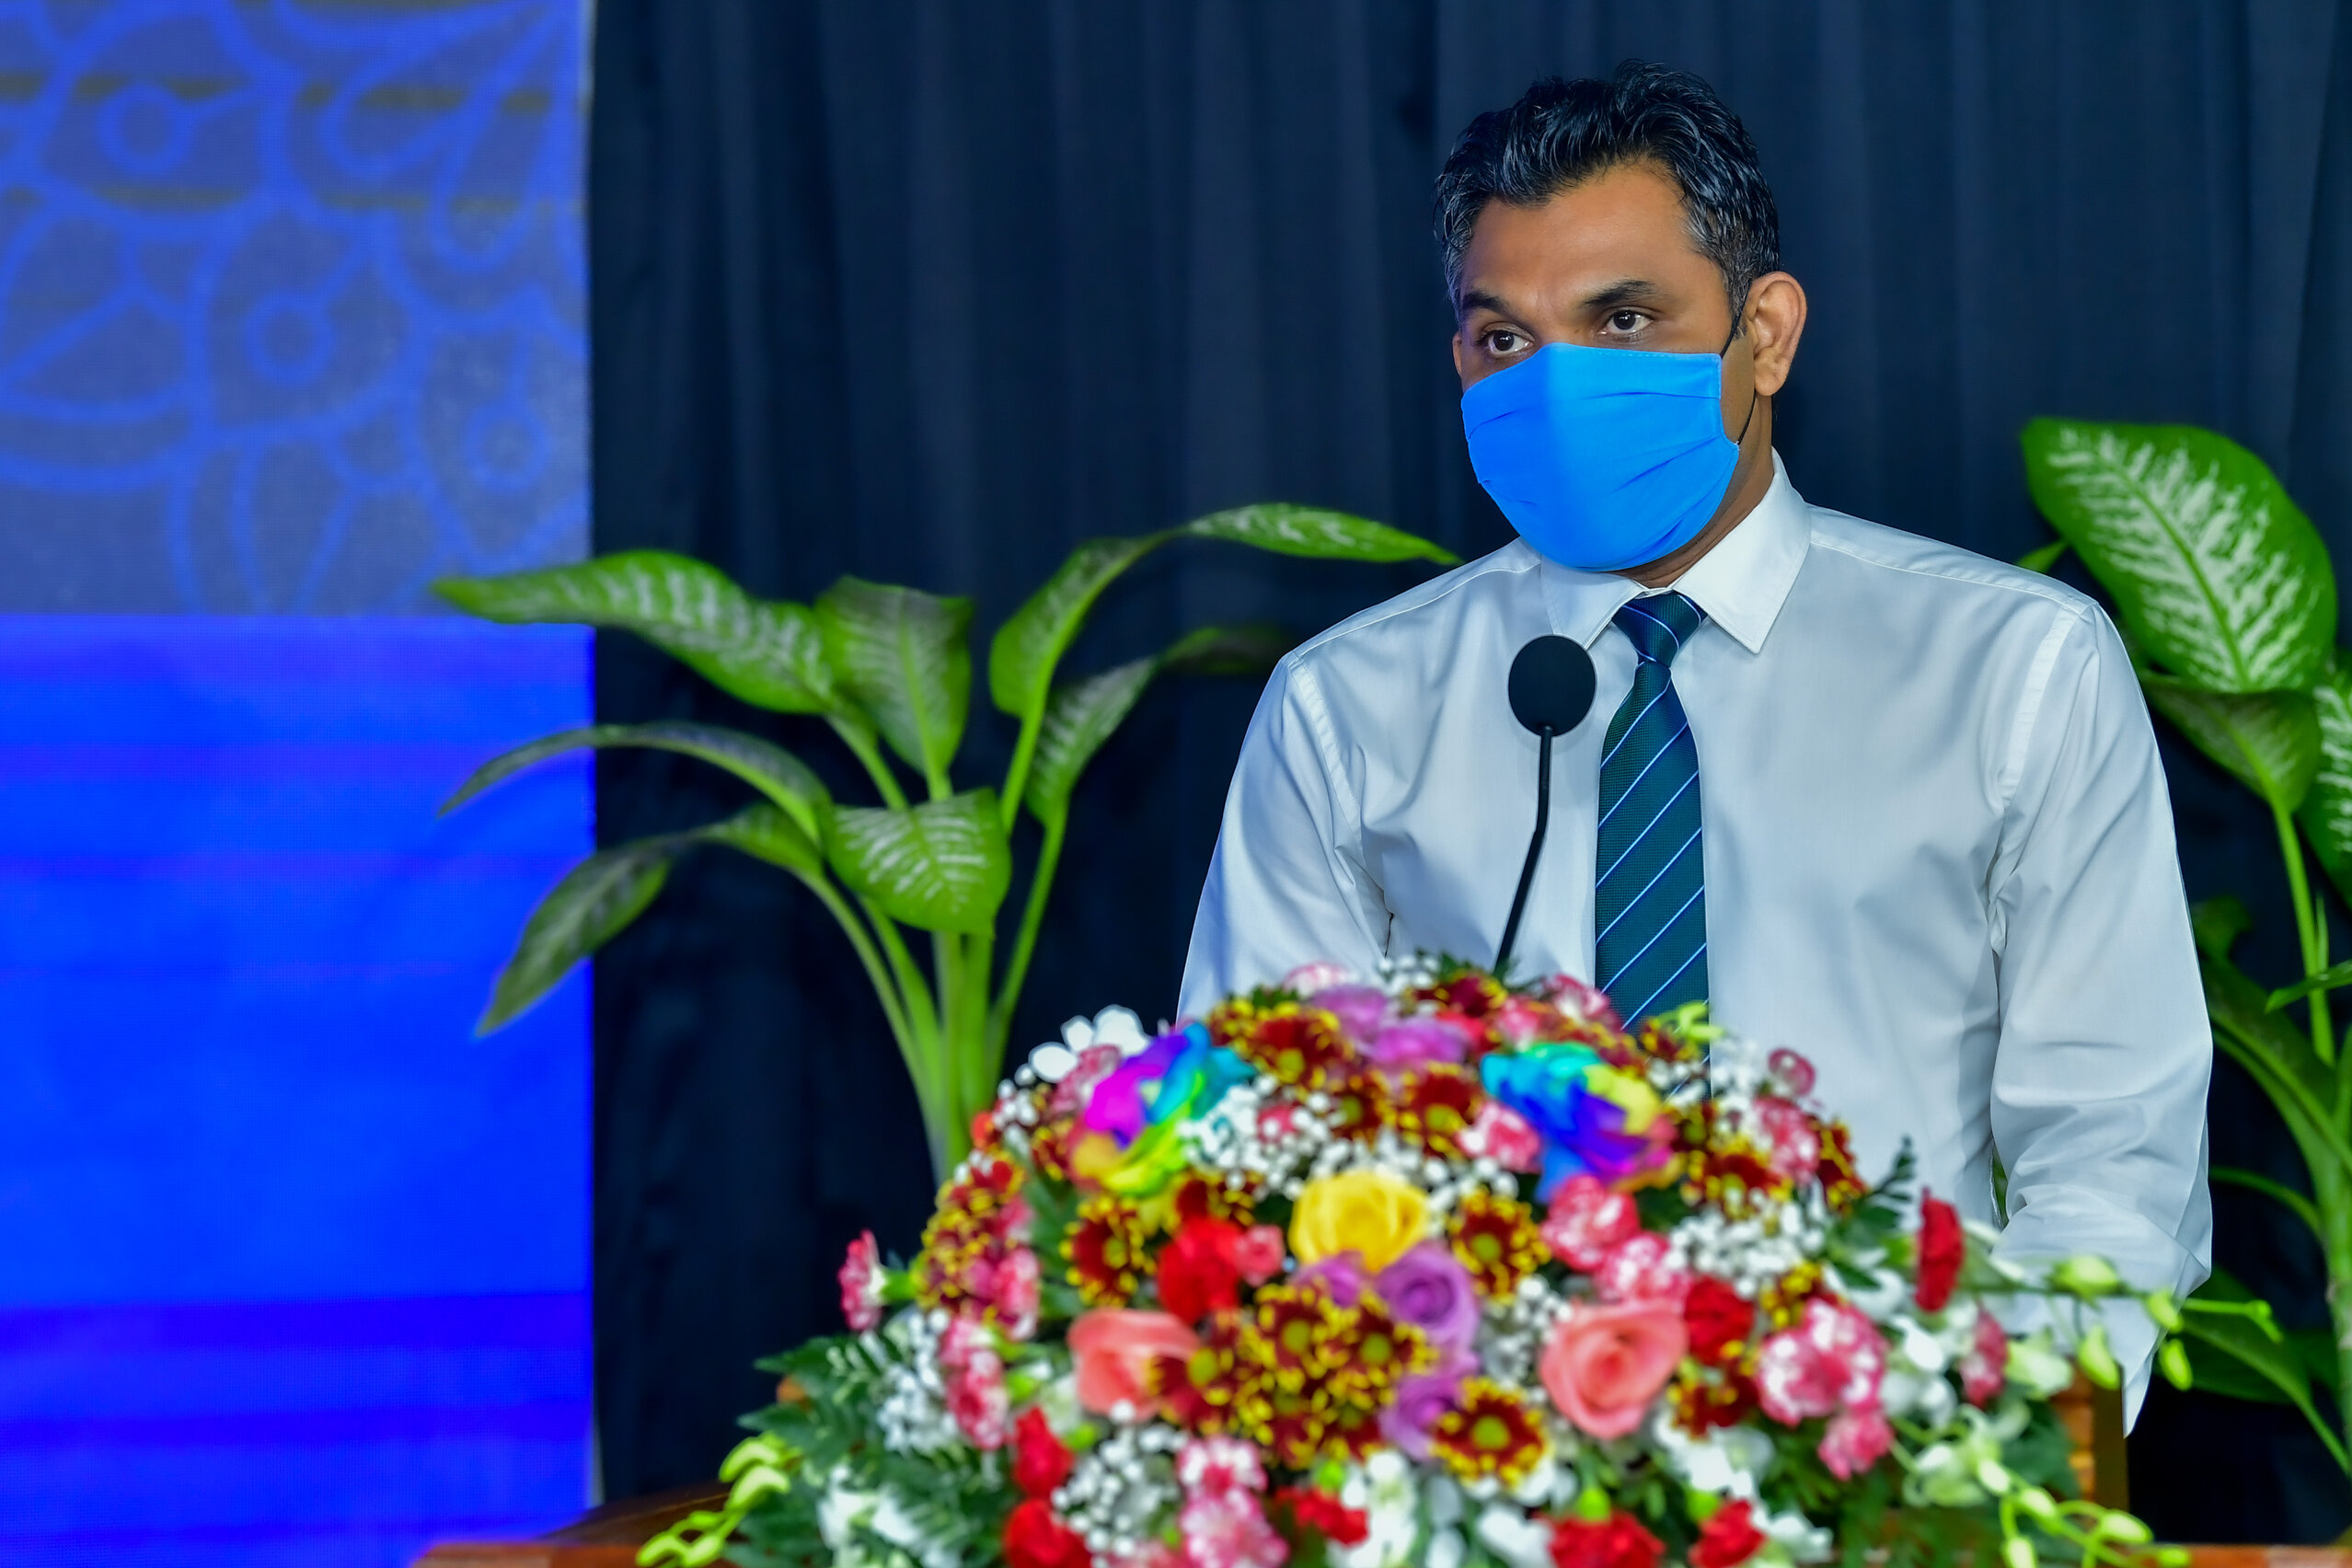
column 1551, row 690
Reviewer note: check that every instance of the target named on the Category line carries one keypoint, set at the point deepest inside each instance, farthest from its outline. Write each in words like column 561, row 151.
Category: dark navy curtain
column 931, row 291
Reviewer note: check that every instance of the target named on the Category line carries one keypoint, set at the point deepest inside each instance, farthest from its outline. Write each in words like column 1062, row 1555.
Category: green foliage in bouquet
column 890, row 669
column 2228, row 603
column 1428, row 1271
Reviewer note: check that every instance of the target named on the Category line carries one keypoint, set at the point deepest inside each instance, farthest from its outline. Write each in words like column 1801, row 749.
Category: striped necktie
column 1650, row 905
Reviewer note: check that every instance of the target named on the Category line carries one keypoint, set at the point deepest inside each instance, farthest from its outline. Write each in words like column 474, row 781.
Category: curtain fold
column 931, row 291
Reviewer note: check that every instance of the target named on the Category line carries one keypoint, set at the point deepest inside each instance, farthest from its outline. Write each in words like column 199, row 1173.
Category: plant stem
column 860, row 742
column 2333, row 1191
column 1016, row 774
column 1032, row 915
column 885, row 988
column 2311, row 926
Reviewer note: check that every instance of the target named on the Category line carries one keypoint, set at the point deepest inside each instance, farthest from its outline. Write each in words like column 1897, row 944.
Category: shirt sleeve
column 1285, row 886
column 2106, row 1053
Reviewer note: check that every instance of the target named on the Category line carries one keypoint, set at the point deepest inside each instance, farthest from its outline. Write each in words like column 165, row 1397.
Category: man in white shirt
column 1869, row 796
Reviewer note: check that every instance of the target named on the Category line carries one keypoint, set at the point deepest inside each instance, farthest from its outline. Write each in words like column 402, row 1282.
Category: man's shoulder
column 1909, row 563
column 1430, row 609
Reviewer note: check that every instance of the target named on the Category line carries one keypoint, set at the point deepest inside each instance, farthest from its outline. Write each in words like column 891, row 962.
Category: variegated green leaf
column 1248, row 649
column 768, row 653
column 1022, row 655
column 2212, row 567
column 1317, row 532
column 903, row 656
column 2270, row 740
column 768, row 767
column 2218, row 923
column 767, row 833
column 1082, row 716
column 2327, row 812
column 941, row 866
column 593, row 902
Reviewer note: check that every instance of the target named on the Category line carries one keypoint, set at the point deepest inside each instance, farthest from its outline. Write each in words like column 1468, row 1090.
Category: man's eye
column 1500, row 341
column 1626, row 322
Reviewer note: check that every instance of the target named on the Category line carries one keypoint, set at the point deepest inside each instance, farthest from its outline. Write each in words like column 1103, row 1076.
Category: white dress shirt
column 1938, row 851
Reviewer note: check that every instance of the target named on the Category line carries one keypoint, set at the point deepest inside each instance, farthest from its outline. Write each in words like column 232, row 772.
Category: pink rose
column 1017, row 1286
column 1228, row 1529
column 1115, row 1348
column 1788, row 1134
column 976, row 1397
column 1213, row 1466
column 1636, row 1270
column 1502, row 1135
column 1414, row 1042
column 1586, row 1220
column 1359, row 1008
column 1986, row 1367
column 1604, row 1365
column 862, row 1285
column 1321, row 975
column 1832, row 1359
column 1854, row 1441
column 1793, row 1070
column 1258, row 1255
column 1582, row 1002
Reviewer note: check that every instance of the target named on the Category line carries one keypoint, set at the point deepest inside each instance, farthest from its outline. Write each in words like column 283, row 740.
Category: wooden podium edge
column 602, row 1538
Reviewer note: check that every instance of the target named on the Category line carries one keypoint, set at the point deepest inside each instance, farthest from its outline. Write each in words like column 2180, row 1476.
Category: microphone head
column 1552, row 685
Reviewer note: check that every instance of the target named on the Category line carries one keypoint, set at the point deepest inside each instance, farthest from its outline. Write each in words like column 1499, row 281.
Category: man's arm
column 2099, row 1087
column 1285, row 887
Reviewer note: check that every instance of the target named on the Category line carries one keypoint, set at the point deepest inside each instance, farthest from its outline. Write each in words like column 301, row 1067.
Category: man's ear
column 1775, row 322
column 1458, row 353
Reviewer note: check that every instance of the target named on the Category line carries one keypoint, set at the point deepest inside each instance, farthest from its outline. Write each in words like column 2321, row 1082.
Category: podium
column 602, row 1538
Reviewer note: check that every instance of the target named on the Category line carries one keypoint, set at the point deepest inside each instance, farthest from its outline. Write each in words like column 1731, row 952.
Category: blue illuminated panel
column 292, row 1269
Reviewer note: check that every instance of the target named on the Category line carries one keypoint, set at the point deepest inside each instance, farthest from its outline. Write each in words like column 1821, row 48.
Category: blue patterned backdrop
column 291, row 300
column 292, row 1269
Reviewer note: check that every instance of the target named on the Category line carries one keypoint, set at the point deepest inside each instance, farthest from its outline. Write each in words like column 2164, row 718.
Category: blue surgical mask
column 1603, row 458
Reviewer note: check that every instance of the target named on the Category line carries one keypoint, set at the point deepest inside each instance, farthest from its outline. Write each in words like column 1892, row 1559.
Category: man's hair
column 1561, row 133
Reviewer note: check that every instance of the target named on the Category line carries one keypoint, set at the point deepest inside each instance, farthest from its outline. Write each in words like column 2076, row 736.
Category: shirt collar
column 1741, row 583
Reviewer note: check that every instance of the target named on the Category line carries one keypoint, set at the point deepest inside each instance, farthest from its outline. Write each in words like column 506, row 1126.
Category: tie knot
column 1659, row 625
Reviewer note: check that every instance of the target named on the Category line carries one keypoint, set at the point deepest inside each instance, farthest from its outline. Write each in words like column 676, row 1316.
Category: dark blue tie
column 1649, row 905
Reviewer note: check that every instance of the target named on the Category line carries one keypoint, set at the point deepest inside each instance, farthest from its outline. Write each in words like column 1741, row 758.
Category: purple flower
column 1117, row 1105
column 1342, row 1274
column 1421, row 1398
column 1429, row 1288
column 1359, row 1008
column 1412, row 1042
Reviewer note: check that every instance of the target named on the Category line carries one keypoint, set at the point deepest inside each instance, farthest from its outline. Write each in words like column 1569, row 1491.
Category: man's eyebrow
column 1479, row 299
column 1624, row 292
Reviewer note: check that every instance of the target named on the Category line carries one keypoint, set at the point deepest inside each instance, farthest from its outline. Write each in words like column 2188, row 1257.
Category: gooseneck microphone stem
column 1535, row 850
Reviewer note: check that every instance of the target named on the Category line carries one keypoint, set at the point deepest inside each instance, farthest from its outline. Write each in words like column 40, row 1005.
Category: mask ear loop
column 1741, row 439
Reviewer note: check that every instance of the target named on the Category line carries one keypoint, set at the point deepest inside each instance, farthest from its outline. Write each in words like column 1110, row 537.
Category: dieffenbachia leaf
column 902, row 657
column 593, row 902
column 1248, row 649
column 768, row 767
column 2269, row 740
column 767, row 653
column 1318, row 532
column 598, row 898
column 768, row 833
column 2245, row 1355
column 939, row 866
column 2213, row 568
column 1081, row 716
column 1086, row 713
column 2326, row 812
column 1022, row 655
column 2218, row 923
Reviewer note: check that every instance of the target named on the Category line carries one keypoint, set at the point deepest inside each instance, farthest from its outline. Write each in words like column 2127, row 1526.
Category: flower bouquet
column 1427, row 1269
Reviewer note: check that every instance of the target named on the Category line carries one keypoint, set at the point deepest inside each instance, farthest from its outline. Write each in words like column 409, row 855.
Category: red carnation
column 1035, row 1538
column 1941, row 1248
column 1041, row 1462
column 1199, row 1269
column 1717, row 1318
column 1728, row 1537
column 1325, row 1515
column 1618, row 1543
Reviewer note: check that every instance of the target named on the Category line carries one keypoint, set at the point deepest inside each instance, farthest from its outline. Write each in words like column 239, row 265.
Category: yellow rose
column 1367, row 1212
